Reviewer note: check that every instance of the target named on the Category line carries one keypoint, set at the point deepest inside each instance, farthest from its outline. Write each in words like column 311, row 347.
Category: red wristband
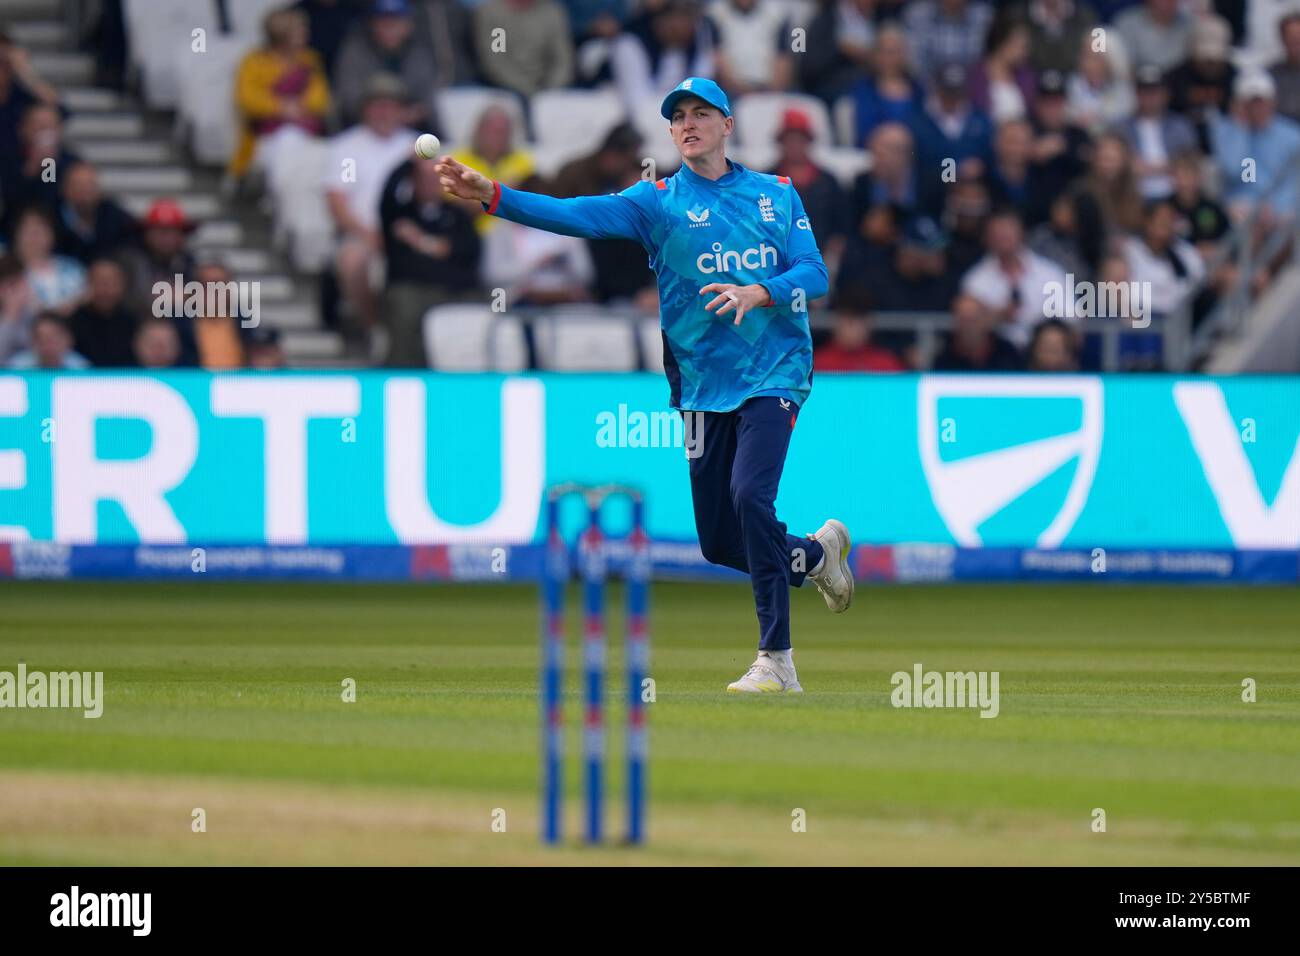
column 496, row 197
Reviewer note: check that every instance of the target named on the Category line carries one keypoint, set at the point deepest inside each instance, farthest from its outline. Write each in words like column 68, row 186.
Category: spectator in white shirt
column 361, row 160
column 753, row 45
column 1099, row 93
column 1158, row 256
column 1012, row 281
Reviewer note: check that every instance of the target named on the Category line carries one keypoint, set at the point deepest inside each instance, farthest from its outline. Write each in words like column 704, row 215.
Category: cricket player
column 736, row 264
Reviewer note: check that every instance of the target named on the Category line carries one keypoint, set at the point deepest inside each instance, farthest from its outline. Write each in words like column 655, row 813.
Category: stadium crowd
column 1009, row 149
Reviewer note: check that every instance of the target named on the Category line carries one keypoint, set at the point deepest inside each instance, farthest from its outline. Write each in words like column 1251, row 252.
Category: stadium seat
column 459, row 108
column 759, row 158
column 580, row 340
column 549, row 160
column 206, row 109
column 568, row 124
column 473, row 338
column 651, row 339
column 658, row 144
column 758, row 116
column 158, row 34
column 845, row 114
column 844, row 163
column 301, row 219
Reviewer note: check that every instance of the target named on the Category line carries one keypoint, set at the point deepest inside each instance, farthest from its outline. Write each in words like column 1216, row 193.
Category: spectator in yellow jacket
column 492, row 151
column 281, row 92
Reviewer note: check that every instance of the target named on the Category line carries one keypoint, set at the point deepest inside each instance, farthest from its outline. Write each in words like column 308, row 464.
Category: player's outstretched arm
column 625, row 215
column 464, row 182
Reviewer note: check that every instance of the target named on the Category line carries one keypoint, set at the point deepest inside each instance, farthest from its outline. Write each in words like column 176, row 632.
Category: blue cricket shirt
column 743, row 228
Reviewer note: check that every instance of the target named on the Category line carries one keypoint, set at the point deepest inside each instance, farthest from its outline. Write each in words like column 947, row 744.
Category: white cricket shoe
column 834, row 579
column 769, row 674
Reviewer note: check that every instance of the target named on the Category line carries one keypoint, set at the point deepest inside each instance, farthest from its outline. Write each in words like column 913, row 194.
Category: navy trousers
column 738, row 457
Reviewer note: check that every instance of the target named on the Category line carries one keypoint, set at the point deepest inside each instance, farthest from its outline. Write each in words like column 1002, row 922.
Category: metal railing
column 929, row 328
column 1249, row 255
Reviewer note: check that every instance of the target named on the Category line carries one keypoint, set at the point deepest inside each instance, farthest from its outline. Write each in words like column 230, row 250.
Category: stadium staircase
column 141, row 157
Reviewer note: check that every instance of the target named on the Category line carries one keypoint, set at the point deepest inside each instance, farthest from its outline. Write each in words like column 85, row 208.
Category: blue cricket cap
column 699, row 86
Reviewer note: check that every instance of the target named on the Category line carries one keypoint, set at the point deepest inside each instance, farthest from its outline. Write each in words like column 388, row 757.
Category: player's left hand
column 742, row 298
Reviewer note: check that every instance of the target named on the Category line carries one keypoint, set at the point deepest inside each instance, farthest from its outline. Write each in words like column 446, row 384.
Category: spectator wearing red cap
column 823, row 199
column 161, row 257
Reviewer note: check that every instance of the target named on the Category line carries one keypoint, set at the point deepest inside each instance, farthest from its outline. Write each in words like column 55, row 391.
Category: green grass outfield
column 227, row 697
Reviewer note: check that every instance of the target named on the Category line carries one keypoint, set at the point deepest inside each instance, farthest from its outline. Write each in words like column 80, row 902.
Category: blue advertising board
column 370, row 458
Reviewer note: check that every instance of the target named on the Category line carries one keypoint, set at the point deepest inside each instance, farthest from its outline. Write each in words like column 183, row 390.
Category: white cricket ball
column 427, row 146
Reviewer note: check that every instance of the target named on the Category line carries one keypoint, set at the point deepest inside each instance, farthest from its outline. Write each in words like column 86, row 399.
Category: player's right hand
column 462, row 181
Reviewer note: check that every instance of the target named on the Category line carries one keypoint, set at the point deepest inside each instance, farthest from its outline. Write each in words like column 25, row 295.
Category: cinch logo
column 733, row 261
